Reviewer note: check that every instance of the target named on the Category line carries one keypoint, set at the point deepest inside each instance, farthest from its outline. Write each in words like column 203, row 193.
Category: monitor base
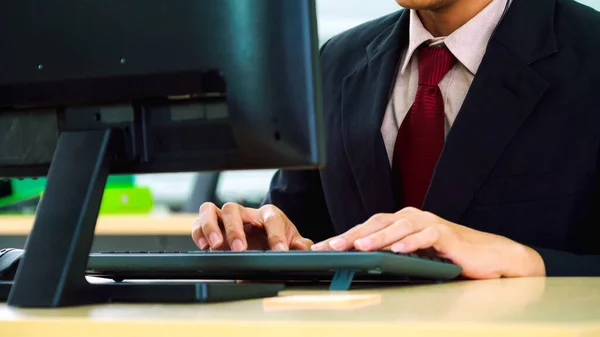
column 53, row 268
column 168, row 292
column 4, row 290
column 185, row 292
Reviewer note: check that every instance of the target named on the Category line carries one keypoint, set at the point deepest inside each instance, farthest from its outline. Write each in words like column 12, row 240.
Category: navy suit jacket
column 521, row 160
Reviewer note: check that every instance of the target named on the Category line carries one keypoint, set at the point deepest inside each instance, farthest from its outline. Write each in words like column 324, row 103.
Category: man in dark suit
column 471, row 127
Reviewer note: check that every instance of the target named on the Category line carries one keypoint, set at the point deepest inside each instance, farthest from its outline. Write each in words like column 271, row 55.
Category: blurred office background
column 185, row 192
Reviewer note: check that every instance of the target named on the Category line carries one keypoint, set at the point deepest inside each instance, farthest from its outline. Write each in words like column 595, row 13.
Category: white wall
column 592, row 3
column 336, row 16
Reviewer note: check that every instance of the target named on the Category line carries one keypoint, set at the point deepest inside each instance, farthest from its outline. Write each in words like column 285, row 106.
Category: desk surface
column 508, row 307
column 180, row 224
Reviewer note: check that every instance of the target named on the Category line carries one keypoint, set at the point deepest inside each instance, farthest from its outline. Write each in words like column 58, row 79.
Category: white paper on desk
column 321, row 302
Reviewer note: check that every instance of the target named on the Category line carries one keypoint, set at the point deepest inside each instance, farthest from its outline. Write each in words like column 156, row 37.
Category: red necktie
column 421, row 136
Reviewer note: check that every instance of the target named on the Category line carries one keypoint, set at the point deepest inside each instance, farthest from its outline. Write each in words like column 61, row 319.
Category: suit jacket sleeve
column 559, row 263
column 562, row 263
column 299, row 194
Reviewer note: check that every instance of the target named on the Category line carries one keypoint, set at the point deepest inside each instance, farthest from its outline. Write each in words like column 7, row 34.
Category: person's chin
column 423, row 4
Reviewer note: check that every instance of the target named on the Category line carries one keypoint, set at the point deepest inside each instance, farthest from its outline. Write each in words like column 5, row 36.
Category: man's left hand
column 481, row 255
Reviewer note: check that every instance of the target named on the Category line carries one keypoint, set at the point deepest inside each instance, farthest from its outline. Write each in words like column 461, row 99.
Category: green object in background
column 126, row 200
column 23, row 190
column 121, row 196
column 122, row 179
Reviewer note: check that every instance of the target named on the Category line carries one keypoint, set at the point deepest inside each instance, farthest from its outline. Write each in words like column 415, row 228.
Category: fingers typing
column 197, row 235
column 209, row 224
column 388, row 235
column 275, row 225
column 231, row 216
column 346, row 240
column 237, row 228
column 301, row 243
column 424, row 239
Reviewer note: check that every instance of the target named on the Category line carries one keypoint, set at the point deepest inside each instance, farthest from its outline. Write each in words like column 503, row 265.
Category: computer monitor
column 92, row 88
column 191, row 85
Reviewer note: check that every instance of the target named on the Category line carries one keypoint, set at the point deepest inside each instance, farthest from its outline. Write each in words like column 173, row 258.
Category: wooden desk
column 510, row 307
column 113, row 225
column 117, row 233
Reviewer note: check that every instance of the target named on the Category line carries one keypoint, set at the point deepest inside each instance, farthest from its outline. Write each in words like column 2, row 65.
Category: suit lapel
column 365, row 96
column 501, row 98
column 503, row 95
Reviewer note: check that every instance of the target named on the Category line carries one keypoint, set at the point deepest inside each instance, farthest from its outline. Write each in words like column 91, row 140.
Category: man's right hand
column 234, row 227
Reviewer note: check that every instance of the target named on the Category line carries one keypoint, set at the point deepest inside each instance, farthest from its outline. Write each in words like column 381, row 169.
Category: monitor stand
column 4, row 290
column 52, row 271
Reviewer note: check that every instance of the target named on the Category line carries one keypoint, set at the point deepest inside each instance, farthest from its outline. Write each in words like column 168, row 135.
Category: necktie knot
column 434, row 64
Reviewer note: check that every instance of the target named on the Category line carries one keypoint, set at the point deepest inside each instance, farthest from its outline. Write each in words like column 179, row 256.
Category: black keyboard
column 269, row 265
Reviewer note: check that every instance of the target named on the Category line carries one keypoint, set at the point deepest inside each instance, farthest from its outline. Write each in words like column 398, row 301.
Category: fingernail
column 363, row 244
column 281, row 247
column 337, row 244
column 398, row 248
column 214, row 238
column 319, row 246
column 299, row 243
column 237, row 245
column 202, row 243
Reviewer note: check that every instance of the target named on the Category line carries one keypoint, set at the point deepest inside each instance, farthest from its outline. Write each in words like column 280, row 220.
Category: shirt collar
column 468, row 43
